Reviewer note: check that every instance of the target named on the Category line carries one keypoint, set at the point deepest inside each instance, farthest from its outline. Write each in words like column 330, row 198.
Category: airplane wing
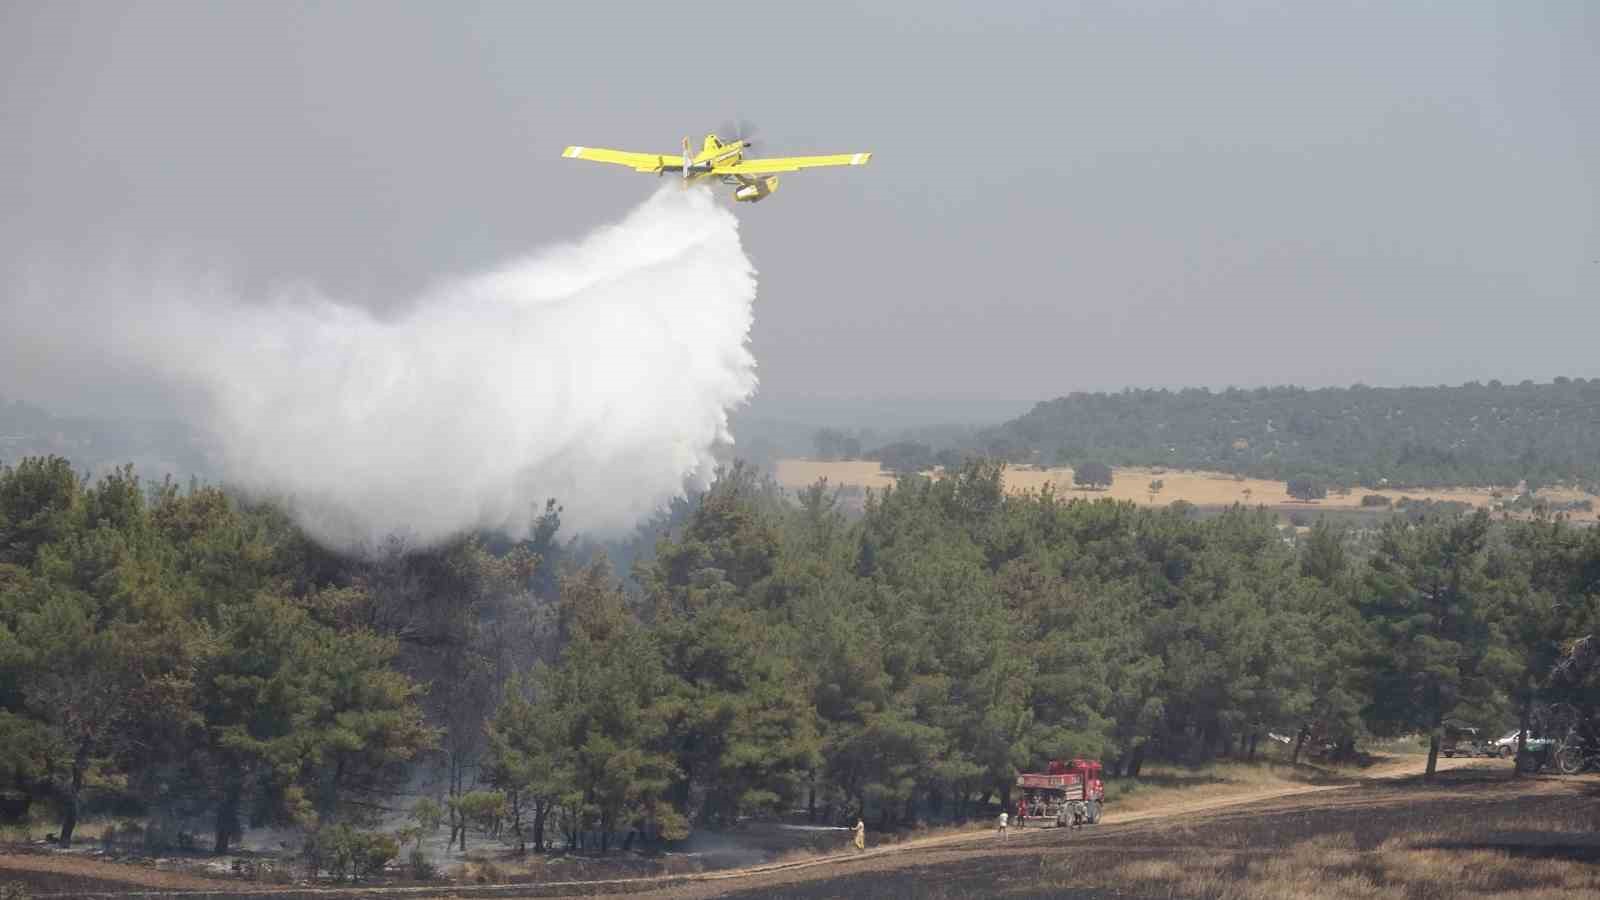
column 639, row 162
column 790, row 164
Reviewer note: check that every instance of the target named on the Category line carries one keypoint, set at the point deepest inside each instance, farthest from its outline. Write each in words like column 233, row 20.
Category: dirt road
column 54, row 874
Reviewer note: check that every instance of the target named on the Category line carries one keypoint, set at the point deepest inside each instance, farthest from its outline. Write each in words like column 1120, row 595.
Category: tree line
column 174, row 649
column 1472, row 434
column 190, row 656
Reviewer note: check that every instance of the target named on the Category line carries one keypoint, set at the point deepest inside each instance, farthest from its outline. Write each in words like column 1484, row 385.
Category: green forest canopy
column 178, row 652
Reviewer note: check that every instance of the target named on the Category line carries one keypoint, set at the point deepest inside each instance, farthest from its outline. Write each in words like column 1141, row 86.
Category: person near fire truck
column 860, row 834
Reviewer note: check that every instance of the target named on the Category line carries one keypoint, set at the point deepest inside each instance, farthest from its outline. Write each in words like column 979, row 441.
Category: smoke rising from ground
column 599, row 373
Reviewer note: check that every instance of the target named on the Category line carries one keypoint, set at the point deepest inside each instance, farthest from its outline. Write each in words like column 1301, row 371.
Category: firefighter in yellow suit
column 861, row 834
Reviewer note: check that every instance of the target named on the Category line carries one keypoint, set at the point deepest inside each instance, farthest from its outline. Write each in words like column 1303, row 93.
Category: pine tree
column 1430, row 604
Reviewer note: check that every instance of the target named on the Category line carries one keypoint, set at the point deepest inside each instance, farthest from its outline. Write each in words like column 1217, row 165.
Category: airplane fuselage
column 715, row 152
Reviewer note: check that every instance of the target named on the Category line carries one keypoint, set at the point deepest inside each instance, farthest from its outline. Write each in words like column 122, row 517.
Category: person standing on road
column 1003, row 834
column 860, row 834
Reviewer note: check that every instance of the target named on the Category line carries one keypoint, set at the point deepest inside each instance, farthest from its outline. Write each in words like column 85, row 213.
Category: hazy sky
column 1063, row 196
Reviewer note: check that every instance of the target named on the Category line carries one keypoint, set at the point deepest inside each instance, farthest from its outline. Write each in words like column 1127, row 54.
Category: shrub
column 422, row 869
column 1092, row 474
column 484, row 809
column 485, row 872
column 1416, row 510
column 905, row 457
column 428, row 814
column 346, row 852
column 1306, row 487
column 370, row 852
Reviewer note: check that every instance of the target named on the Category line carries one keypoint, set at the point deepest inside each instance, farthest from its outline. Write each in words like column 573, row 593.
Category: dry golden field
column 1199, row 488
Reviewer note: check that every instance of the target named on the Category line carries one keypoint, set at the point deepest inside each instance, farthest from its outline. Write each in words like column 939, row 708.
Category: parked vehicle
column 1506, row 747
column 1539, row 751
column 1568, row 740
column 1461, row 740
column 1539, row 755
column 1069, row 793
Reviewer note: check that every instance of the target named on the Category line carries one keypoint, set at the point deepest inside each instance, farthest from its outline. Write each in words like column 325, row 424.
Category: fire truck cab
column 1067, row 793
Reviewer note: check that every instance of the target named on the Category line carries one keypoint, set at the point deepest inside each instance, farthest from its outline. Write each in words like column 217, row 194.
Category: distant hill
column 95, row 445
column 1475, row 434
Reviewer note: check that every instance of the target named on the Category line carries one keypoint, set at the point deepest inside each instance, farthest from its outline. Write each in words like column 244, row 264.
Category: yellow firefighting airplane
column 723, row 160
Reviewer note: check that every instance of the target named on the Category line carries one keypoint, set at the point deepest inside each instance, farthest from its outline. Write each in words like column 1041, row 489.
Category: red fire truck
column 1068, row 793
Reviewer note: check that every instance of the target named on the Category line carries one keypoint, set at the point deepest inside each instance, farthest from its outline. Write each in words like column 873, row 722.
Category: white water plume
column 599, row 373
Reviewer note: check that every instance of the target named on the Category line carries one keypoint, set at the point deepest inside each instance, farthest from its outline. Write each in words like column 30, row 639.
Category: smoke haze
column 600, row 373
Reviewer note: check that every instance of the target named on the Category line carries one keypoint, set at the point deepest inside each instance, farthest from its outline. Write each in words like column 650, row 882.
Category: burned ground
column 1475, row 830
column 1240, row 851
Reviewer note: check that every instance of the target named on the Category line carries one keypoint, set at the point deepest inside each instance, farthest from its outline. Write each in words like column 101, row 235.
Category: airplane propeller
column 740, row 129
